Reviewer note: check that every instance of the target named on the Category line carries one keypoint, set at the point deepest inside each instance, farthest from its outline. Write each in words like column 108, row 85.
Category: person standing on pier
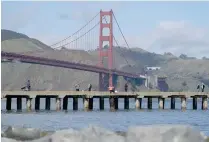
column 126, row 87
column 111, row 89
column 198, row 87
column 89, row 87
column 28, row 85
column 203, row 87
column 77, row 87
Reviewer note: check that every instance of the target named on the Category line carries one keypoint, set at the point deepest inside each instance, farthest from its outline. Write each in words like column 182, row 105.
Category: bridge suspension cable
column 80, row 36
column 117, row 45
column 76, row 31
column 121, row 31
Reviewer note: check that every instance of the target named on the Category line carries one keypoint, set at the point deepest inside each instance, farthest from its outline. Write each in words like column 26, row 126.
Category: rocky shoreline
column 151, row 133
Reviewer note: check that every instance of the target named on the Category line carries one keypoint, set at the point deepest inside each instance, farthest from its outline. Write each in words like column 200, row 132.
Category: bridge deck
column 62, row 94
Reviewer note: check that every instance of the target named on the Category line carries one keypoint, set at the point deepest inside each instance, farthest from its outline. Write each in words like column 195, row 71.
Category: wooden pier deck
column 113, row 97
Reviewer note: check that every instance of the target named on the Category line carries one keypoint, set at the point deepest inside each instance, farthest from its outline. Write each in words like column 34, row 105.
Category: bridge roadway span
column 64, row 64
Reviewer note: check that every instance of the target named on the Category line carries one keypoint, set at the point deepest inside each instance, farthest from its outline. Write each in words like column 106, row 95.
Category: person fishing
column 27, row 87
column 89, row 87
column 111, row 89
column 203, row 87
column 77, row 87
column 126, row 87
column 198, row 87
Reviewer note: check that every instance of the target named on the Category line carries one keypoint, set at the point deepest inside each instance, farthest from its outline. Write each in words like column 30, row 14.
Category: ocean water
column 119, row 120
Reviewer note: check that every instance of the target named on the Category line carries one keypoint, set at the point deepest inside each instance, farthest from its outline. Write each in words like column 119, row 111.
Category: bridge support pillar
column 65, row 103
column 172, row 102
column 48, row 103
column 101, row 103
column 204, row 103
column 29, row 103
column 126, row 103
column 37, row 103
column 8, row 103
column 75, row 103
column 161, row 102
column 149, row 102
column 183, row 103
column 138, row 103
column 58, row 103
column 194, row 102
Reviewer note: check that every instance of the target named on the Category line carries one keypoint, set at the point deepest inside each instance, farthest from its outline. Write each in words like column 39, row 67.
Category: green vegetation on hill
column 189, row 71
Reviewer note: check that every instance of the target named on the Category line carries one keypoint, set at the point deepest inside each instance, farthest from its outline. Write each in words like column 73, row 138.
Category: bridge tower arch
column 106, row 53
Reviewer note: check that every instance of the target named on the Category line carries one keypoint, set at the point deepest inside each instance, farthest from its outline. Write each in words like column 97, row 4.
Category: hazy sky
column 177, row 27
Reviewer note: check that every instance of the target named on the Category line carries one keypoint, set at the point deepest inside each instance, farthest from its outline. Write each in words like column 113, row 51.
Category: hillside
column 14, row 75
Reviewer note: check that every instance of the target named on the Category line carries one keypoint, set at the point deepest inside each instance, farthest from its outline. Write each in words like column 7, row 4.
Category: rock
column 166, row 133
column 90, row 134
column 23, row 133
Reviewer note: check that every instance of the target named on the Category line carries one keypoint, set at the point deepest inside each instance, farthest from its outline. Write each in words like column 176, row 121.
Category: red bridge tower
column 106, row 53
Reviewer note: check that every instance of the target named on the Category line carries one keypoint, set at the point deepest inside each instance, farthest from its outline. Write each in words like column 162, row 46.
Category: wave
column 150, row 133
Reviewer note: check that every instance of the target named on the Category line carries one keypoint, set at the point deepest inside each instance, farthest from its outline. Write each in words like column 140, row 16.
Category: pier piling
column 8, row 103
column 37, row 103
column 172, row 102
column 161, row 102
column 19, row 103
column 126, row 102
column 204, row 103
column 101, row 103
column 47, row 103
column 65, row 103
column 194, row 102
column 75, row 103
column 138, row 103
column 149, row 102
column 58, row 103
column 183, row 103
column 29, row 103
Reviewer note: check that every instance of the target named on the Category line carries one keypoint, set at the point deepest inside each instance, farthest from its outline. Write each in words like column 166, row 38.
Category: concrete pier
column 58, row 103
column 88, row 98
column 29, row 104
column 183, row 103
column 161, row 102
column 138, row 103
column 204, row 103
